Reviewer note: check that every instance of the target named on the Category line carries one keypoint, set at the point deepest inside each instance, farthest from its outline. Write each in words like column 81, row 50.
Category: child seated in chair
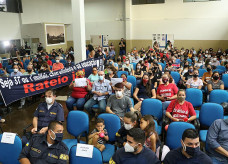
column 99, row 135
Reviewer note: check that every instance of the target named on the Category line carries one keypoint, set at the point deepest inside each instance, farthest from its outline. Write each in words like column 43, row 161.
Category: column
column 78, row 26
column 128, row 25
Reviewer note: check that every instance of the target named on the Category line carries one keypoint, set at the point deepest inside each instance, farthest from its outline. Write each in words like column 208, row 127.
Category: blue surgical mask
column 101, row 78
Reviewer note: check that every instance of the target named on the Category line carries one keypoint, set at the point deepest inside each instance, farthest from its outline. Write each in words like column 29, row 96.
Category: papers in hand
column 8, row 138
column 84, row 150
column 80, row 82
column 114, row 81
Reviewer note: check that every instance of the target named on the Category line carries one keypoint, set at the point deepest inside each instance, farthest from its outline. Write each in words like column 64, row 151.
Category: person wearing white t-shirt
column 195, row 81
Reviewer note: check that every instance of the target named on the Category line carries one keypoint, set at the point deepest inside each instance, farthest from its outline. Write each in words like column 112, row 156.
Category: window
column 3, row 5
column 200, row 0
column 139, row 2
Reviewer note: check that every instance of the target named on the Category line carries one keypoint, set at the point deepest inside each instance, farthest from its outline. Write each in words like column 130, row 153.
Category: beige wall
column 204, row 44
column 187, row 44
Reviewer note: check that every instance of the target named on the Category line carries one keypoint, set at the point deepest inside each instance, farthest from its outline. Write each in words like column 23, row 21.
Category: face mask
column 208, row 69
column 164, row 80
column 69, row 61
column 29, row 70
column 214, row 59
column 124, row 79
column 101, row 78
column 128, row 126
column 15, row 63
column 145, row 80
column 119, row 94
column 206, row 52
column 190, row 70
column 48, row 100
column 15, row 70
column 58, row 137
column 190, row 150
column 170, row 64
column 128, row 148
column 42, row 68
column 146, row 61
column 111, row 63
column 138, row 67
column 57, row 61
column 215, row 77
column 110, row 72
column 185, row 66
column 127, row 62
column 195, row 75
column 181, row 98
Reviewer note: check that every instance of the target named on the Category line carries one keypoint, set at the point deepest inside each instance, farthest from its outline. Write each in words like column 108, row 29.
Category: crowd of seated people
column 152, row 70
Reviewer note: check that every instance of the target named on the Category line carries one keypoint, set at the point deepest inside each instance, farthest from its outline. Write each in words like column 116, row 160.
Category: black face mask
column 208, row 69
column 192, row 151
column 170, row 64
column 215, row 77
column 29, row 70
column 185, row 66
column 195, row 75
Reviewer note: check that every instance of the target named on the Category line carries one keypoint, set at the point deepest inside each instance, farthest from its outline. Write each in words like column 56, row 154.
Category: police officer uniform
column 45, row 115
column 38, row 151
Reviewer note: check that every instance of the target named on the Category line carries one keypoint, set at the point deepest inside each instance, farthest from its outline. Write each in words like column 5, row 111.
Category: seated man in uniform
column 189, row 152
column 46, row 112
column 46, row 148
column 134, row 151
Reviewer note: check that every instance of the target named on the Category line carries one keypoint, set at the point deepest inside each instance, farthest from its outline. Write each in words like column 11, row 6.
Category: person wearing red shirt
column 49, row 62
column 166, row 92
column 78, row 93
column 181, row 109
column 57, row 66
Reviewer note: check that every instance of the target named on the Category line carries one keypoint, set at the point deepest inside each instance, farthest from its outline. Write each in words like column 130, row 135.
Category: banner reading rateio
column 15, row 88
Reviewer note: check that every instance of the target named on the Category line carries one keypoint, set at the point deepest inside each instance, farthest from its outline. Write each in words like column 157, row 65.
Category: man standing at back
column 122, row 46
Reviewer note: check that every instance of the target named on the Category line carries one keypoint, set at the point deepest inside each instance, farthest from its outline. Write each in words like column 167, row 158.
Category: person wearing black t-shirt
column 122, row 46
column 157, row 74
column 188, row 75
column 138, row 73
column 144, row 90
column 190, row 152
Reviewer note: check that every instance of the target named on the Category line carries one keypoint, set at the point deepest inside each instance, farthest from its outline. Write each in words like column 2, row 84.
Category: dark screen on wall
column 139, row 2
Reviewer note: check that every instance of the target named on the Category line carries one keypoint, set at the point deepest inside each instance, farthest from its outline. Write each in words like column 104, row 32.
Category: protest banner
column 15, row 88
